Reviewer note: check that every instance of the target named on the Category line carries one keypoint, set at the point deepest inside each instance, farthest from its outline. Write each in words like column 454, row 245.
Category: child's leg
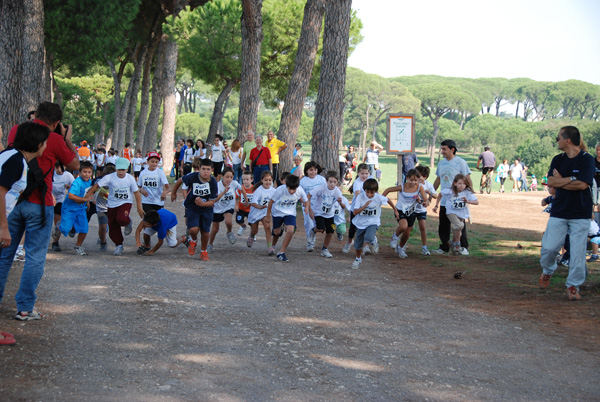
column 213, row 232
column 359, row 242
column 400, row 229
column 204, row 236
column 102, row 233
column 456, row 224
column 193, row 232
column 146, row 240
column 405, row 236
column 80, row 239
column 277, row 228
column 594, row 248
column 286, row 240
column 309, row 224
column 423, row 230
column 327, row 240
column 254, row 228
column 267, row 227
column 228, row 223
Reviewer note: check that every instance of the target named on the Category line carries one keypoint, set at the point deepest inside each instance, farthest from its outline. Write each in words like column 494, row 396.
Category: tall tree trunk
column 117, row 84
column 300, row 80
column 23, row 83
column 157, row 97
column 216, row 119
column 252, row 37
column 193, row 102
column 329, row 109
column 138, row 63
column 436, row 130
column 100, row 136
column 145, row 99
column 517, row 111
column 463, row 117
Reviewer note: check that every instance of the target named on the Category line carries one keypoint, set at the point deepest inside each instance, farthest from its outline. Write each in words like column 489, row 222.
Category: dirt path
column 245, row 327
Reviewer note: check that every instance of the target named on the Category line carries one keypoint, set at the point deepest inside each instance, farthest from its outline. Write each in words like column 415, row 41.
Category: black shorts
column 325, row 224
column 58, row 209
column 409, row 218
column 486, row 169
column 218, row 167
column 221, row 217
column 240, row 216
column 150, row 207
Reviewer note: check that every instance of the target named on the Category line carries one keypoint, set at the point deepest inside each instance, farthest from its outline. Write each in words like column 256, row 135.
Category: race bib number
column 337, row 210
column 201, row 189
column 326, row 209
column 458, row 202
column 150, row 182
column 265, row 201
column 121, row 193
column 411, row 208
column 248, row 197
column 227, row 197
column 369, row 212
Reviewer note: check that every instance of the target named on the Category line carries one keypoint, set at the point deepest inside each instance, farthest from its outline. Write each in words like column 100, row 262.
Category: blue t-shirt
column 197, row 188
column 167, row 221
column 78, row 188
column 573, row 204
column 408, row 162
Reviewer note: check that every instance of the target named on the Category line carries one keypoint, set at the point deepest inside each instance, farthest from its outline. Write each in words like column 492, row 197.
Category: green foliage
column 191, row 125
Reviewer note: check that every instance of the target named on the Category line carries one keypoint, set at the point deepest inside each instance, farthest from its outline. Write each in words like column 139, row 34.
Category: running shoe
column 250, row 241
column 340, row 236
column 29, row 315
column 204, row 256
column 191, row 247
column 103, row 247
column 270, row 251
column 185, row 240
column 241, row 230
column 311, row 236
column 56, row 247
column 72, row 232
column 281, row 257
column 209, row 248
column 347, row 246
column 573, row 293
column 375, row 246
column 79, row 250
column 325, row 253
column 142, row 249
column 128, row 228
column 231, row 238
column 394, row 241
column 425, row 251
column 356, row 263
column 119, row 250
column 439, row 251
column 367, row 250
column 544, row 281
column 401, row 252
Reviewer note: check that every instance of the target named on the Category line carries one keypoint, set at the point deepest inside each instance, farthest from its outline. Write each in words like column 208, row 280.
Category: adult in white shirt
column 217, row 156
column 516, row 171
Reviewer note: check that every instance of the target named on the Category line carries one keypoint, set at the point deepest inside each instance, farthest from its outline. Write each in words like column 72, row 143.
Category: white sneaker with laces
column 325, row 253
column 241, row 230
column 439, row 251
column 119, row 250
column 231, row 238
column 463, row 251
column 401, row 252
column 347, row 246
column 375, row 246
column 394, row 241
column 356, row 263
column 425, row 251
column 311, row 237
column 367, row 250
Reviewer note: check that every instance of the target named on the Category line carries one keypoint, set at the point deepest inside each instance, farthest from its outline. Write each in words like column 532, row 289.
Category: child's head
column 227, row 175
column 153, row 160
column 86, row 170
column 206, row 168
column 196, row 162
column 332, row 178
column 363, row 171
column 109, row 169
column 122, row 165
column 283, row 177
column 370, row 186
column 151, row 218
column 31, row 137
column 311, row 169
column 247, row 179
column 412, row 177
column 190, row 143
column 200, row 144
column 266, row 178
column 292, row 182
column 423, row 171
column 59, row 169
column 460, row 183
column 298, row 146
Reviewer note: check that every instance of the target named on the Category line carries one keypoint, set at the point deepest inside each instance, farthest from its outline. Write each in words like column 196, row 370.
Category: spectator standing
column 260, row 159
column 516, row 170
column 249, row 145
column 275, row 147
column 524, row 186
column 447, row 169
column 502, row 171
column 34, row 215
column 372, row 157
column 236, row 152
column 409, row 162
column 571, row 173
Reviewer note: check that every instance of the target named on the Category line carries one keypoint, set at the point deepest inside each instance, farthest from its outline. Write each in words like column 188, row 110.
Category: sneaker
column 340, row 236
column 142, row 249
column 367, row 250
column 311, row 237
column 270, row 251
column 191, row 247
column 241, row 230
column 401, row 252
column 310, row 247
column 375, row 246
column 72, row 232
column 185, row 240
column 98, row 241
column 356, row 263
column 463, row 251
column 573, row 293
column 103, row 247
column 56, row 247
column 204, row 256
column 128, row 228
column 594, row 258
column 439, row 251
column 28, row 315
column 544, row 281
column 7, row 340
column 119, row 250
column 250, row 241
column 231, row 238
column 79, row 250
column 394, row 241
column 209, row 248
column 564, row 263
column 425, row 251
column 325, row 253
column 20, row 255
column 347, row 246
column 281, row 257
column 456, row 249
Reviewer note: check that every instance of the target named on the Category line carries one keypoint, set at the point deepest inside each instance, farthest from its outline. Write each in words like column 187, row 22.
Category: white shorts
column 171, row 238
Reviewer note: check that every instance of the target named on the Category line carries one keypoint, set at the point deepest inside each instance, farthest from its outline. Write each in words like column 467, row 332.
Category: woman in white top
column 502, row 171
column 200, row 151
column 236, row 159
column 516, row 170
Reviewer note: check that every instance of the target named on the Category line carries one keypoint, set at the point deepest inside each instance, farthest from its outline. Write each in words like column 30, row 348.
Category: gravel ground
column 246, row 327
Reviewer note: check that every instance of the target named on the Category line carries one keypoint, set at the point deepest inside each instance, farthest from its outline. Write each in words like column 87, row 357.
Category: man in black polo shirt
column 571, row 174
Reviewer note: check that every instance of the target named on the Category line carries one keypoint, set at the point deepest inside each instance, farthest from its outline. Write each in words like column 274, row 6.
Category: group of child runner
column 209, row 202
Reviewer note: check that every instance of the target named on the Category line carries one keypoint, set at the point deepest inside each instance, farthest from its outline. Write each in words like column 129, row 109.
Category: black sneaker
column 142, row 249
column 28, row 315
column 281, row 257
column 56, row 247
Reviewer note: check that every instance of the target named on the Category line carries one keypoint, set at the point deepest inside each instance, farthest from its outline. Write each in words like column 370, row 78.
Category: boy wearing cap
column 122, row 190
column 164, row 224
column 153, row 185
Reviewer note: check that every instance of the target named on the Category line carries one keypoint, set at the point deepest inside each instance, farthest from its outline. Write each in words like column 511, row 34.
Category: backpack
column 36, row 179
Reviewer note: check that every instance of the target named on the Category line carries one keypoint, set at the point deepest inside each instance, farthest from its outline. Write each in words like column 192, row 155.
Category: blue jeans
column 237, row 172
column 554, row 238
column 257, row 172
column 26, row 218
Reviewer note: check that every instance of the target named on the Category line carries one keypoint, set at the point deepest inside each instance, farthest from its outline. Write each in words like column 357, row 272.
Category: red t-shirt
column 265, row 156
column 56, row 149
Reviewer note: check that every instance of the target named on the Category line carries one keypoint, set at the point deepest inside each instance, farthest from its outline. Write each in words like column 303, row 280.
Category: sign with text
column 401, row 133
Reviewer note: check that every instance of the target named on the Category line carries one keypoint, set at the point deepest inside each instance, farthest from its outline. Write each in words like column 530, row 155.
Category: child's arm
column 311, row 214
column 423, row 196
column 391, row 189
column 359, row 210
column 166, row 191
column 79, row 200
column 138, row 201
column 210, row 203
column 138, row 231
column 307, row 208
column 268, row 217
column 437, row 202
column 176, row 186
column 545, row 201
column 158, row 245
column 391, row 204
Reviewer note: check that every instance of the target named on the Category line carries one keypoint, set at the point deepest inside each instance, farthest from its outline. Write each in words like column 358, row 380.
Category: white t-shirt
column 448, row 169
column 200, row 153
column 284, row 203
column 111, row 159
column 371, row 215
column 308, row 185
column 100, row 157
column 120, row 190
column 153, row 182
column 356, row 187
column 456, row 204
column 60, row 182
column 137, row 164
column 227, row 202
column 188, row 155
column 236, row 156
column 372, row 156
column 408, row 201
column 324, row 199
column 11, row 163
column 217, row 152
column 339, row 213
column 260, row 196
column 516, row 170
column 428, row 190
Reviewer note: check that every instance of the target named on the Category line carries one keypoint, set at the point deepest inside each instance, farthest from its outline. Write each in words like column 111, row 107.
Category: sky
column 551, row 40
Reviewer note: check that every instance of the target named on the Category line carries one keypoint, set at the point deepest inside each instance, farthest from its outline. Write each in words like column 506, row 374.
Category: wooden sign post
column 400, row 137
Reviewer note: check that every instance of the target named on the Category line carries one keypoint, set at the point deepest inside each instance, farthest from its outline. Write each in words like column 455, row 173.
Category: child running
column 122, row 190
column 421, row 210
column 153, row 185
column 164, row 224
column 282, row 210
column 325, row 196
column 339, row 217
column 457, row 198
column 102, row 207
column 137, row 163
column 243, row 206
column 362, row 174
column 258, row 209
column 367, row 218
column 199, row 203
column 224, row 208
column 61, row 183
column 310, row 181
column 410, row 195
column 75, row 206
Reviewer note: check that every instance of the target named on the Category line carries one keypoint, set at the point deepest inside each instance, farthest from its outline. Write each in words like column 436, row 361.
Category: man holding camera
column 34, row 215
